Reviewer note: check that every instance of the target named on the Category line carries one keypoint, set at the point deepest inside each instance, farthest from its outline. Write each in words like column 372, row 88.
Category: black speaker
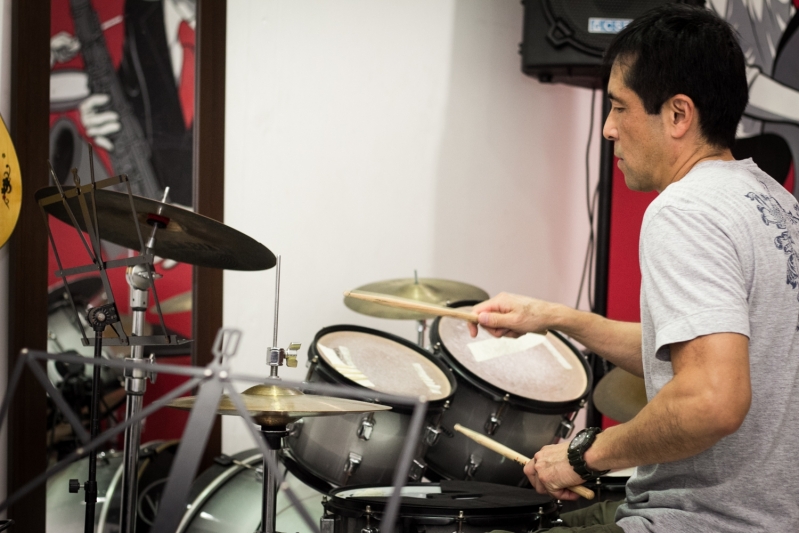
column 563, row 40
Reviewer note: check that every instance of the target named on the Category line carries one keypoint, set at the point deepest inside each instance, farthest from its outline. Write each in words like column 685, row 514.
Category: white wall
column 367, row 139
column 5, row 111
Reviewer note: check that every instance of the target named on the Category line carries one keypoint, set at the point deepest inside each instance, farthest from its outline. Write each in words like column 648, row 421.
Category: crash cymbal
column 188, row 237
column 271, row 405
column 179, row 303
column 620, row 395
column 427, row 290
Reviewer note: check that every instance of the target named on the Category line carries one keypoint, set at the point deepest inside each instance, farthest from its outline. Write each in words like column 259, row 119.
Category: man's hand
column 511, row 315
column 549, row 472
column 99, row 123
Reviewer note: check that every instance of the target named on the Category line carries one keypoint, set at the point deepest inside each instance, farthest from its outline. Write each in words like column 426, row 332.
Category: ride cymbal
column 620, row 395
column 426, row 290
column 187, row 238
column 270, row 405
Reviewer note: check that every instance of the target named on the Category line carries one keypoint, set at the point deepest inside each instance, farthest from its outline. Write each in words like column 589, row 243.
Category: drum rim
column 411, row 510
column 535, row 406
column 331, row 373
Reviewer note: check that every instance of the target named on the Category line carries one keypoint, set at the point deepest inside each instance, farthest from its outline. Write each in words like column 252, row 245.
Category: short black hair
column 684, row 49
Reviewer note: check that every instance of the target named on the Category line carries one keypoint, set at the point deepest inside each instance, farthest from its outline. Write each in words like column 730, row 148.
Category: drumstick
column 504, row 451
column 414, row 305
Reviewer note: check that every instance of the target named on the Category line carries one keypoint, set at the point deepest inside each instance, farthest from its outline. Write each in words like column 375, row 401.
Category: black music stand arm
column 99, row 318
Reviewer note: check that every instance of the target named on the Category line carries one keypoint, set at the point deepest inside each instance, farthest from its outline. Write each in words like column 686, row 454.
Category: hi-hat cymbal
column 187, row 238
column 270, row 405
column 620, row 395
column 427, row 290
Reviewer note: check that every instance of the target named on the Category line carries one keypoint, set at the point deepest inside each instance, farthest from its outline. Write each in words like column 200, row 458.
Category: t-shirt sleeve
column 692, row 278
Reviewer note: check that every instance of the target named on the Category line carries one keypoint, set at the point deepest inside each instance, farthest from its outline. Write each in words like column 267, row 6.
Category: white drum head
column 383, row 365
column 537, row 367
column 413, row 491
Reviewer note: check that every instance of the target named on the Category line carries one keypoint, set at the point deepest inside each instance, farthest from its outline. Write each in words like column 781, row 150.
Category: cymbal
column 180, row 303
column 620, row 395
column 188, row 238
column 427, row 290
column 271, row 405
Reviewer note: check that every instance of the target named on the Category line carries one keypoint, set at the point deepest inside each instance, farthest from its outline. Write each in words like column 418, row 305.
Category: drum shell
column 64, row 336
column 66, row 511
column 228, row 499
column 526, row 425
column 322, row 445
column 349, row 515
column 522, row 431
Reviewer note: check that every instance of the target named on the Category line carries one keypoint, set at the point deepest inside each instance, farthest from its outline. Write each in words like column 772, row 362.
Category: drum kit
column 522, row 393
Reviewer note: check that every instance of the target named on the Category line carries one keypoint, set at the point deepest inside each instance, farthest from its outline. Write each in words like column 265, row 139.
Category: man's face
column 640, row 138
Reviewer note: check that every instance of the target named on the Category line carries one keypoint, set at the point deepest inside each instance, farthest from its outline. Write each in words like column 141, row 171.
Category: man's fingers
column 98, row 120
column 564, row 494
column 472, row 329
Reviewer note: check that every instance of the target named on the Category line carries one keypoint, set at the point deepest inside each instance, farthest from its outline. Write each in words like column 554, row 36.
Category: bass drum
column 227, row 497
column 523, row 393
column 464, row 507
column 64, row 336
column 364, row 448
column 66, row 512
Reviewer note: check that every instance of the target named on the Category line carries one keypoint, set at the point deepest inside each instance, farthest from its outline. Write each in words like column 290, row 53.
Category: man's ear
column 680, row 115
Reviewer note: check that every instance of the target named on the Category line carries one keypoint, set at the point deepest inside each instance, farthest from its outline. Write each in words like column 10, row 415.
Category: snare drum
column 228, row 499
column 523, row 393
column 66, row 511
column 364, row 448
column 465, row 507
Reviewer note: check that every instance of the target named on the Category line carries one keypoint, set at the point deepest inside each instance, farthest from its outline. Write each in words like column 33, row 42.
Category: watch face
column 579, row 440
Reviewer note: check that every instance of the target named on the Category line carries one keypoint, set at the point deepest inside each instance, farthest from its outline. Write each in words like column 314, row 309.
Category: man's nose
column 609, row 130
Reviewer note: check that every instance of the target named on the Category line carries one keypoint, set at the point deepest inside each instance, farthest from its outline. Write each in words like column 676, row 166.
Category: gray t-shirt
column 717, row 254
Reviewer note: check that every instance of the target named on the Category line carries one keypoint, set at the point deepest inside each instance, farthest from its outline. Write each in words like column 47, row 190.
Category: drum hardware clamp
column 432, row 435
column 369, row 528
column 495, row 419
column 472, row 465
column 460, row 520
column 311, row 366
column 366, row 427
column 417, row 470
column 352, row 464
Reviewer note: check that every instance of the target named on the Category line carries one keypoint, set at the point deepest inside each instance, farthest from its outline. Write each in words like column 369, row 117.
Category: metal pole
column 135, row 387
column 90, row 488
column 421, row 329
column 272, row 436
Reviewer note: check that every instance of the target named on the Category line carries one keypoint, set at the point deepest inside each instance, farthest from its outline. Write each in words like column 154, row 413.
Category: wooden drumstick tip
column 504, row 451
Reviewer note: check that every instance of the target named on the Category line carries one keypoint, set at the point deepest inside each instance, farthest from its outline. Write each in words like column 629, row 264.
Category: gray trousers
column 598, row 518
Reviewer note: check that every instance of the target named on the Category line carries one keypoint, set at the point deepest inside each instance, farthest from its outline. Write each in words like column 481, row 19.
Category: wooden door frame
column 27, row 305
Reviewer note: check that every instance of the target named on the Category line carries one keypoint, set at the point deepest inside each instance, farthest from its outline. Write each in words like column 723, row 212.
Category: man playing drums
column 718, row 342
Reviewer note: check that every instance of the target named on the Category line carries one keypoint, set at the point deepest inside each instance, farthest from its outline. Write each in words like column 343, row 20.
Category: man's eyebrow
column 614, row 98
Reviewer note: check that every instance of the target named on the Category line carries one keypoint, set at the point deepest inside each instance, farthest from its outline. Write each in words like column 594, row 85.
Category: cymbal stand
column 273, row 435
column 140, row 278
column 421, row 325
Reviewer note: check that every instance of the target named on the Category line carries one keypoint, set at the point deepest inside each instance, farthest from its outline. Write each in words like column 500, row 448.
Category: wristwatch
column 577, row 448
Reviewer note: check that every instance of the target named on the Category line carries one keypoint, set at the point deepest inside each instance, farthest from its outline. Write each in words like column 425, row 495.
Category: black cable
column 590, row 200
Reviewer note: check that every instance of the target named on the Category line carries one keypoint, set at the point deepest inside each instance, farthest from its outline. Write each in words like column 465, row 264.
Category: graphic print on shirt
column 772, row 213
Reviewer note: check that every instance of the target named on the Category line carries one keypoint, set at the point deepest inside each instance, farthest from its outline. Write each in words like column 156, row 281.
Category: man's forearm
column 618, row 342
column 676, row 424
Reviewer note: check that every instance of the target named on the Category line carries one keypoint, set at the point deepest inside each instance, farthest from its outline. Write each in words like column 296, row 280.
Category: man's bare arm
column 513, row 315
column 707, row 399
